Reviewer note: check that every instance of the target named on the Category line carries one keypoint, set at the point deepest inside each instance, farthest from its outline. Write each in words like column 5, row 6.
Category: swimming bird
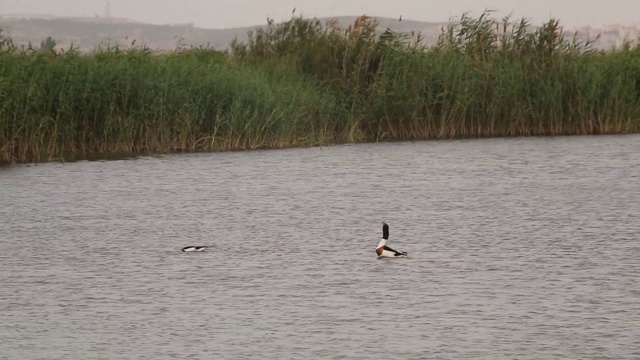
column 383, row 250
column 194, row 248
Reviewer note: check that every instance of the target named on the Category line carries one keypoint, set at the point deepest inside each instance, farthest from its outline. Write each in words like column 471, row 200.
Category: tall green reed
column 136, row 101
column 304, row 82
column 483, row 77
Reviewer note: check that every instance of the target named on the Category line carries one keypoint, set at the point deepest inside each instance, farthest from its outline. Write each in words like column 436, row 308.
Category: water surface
column 519, row 248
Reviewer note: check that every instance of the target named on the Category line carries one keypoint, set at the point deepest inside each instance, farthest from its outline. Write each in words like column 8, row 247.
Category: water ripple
column 519, row 248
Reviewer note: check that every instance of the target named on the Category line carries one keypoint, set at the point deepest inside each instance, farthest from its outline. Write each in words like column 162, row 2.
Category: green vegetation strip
column 305, row 83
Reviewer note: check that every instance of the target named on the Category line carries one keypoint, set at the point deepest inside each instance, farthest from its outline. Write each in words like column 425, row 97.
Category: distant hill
column 87, row 33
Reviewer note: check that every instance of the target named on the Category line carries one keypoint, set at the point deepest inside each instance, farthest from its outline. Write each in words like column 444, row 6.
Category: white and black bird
column 383, row 250
column 194, row 248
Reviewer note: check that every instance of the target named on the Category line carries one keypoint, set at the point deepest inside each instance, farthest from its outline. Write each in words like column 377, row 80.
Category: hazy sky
column 232, row 13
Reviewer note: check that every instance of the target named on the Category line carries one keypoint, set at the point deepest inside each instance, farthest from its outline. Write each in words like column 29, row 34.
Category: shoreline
column 133, row 156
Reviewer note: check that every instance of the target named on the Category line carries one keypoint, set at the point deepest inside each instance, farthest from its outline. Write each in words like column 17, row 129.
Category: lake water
column 523, row 248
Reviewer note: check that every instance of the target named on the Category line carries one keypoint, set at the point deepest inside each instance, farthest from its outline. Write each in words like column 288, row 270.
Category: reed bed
column 304, row 83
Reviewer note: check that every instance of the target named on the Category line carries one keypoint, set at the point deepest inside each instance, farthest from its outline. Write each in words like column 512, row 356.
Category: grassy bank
column 305, row 83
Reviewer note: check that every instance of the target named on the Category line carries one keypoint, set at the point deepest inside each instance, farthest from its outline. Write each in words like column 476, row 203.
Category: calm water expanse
column 518, row 249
